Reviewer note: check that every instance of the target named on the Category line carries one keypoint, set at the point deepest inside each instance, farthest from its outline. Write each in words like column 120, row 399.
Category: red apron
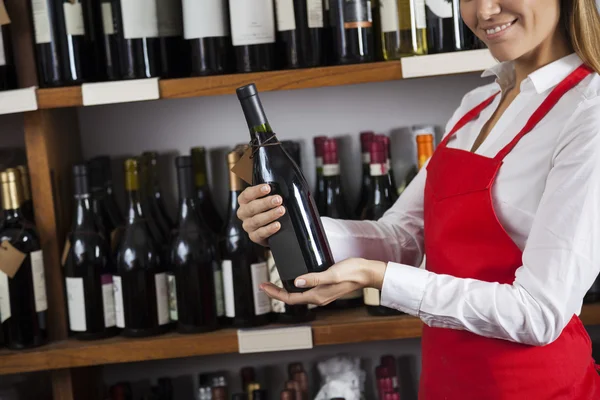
column 463, row 238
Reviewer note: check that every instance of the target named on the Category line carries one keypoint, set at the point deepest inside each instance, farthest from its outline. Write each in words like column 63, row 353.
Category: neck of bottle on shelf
column 255, row 114
column 365, row 141
column 151, row 159
column 25, row 182
column 84, row 214
column 424, row 148
column 199, row 164
column 12, row 194
column 236, row 185
column 132, row 189
column 185, row 183
column 331, row 163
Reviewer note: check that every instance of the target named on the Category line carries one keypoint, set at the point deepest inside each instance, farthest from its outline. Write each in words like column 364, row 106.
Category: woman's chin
column 504, row 53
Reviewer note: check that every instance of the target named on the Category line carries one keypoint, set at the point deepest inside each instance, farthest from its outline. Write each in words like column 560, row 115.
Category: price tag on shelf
column 18, row 100
column 274, row 339
column 447, row 63
column 95, row 94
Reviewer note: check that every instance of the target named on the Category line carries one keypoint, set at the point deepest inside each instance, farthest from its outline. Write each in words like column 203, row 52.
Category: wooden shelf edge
column 353, row 326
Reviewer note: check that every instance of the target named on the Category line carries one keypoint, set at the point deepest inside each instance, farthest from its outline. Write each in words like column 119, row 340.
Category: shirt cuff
column 404, row 287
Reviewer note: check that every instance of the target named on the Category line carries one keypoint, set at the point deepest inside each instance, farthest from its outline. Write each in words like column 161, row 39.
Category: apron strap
column 468, row 117
column 557, row 93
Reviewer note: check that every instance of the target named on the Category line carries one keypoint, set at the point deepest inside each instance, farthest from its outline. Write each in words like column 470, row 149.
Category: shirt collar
column 542, row 79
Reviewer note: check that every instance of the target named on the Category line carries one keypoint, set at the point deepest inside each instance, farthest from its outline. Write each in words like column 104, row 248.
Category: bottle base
column 20, row 346
column 85, row 336
column 381, row 311
column 127, row 332
column 188, row 329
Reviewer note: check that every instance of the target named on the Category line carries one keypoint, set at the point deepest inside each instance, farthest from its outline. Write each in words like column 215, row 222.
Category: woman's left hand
column 340, row 279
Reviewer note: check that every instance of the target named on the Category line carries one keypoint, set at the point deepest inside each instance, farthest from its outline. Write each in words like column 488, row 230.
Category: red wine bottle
column 243, row 264
column 111, row 34
column 390, row 171
column 253, row 34
column 352, row 31
column 154, row 193
column 299, row 33
column 365, row 142
column 48, row 54
column 320, row 195
column 192, row 255
column 88, row 268
column 205, row 204
column 23, row 302
column 300, row 246
column 8, row 74
column 141, row 294
column 445, row 28
column 174, row 51
column 206, row 29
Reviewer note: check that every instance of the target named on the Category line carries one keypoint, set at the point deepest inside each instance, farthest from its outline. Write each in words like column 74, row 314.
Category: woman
column 507, row 211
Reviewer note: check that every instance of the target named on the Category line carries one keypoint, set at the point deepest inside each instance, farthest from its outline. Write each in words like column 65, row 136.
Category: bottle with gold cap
column 140, row 283
column 243, row 264
column 23, row 302
column 424, row 136
column 88, row 267
column 192, row 298
column 205, row 205
column 27, row 205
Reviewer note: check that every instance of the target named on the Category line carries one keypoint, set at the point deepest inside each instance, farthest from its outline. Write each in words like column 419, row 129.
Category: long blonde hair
column 581, row 22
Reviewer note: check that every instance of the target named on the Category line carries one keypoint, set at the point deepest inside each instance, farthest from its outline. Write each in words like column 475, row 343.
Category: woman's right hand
column 259, row 213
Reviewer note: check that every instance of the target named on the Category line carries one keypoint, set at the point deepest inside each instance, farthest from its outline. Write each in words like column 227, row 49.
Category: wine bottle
column 320, row 195
column 111, row 34
column 219, row 393
column 445, row 29
column 413, row 27
column 253, row 34
column 193, row 253
column 174, row 55
column 390, row 34
column 23, row 302
column 365, row 143
column 8, row 73
column 48, row 56
column 206, row 28
column 385, row 140
column 121, row 391
column 380, row 198
column 88, row 268
column 300, row 246
column 139, row 43
column 205, row 205
column 154, row 193
column 424, row 138
column 260, row 394
column 593, row 294
column 293, row 150
column 299, row 33
column 389, row 362
column 141, row 296
column 244, row 268
column 27, row 206
column 352, row 27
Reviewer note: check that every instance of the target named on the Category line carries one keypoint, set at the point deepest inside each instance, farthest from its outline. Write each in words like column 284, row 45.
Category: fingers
column 262, row 234
column 253, row 192
column 258, row 206
column 328, row 277
column 262, row 219
column 321, row 296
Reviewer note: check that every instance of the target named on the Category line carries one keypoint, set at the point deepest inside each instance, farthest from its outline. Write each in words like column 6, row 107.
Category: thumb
column 315, row 279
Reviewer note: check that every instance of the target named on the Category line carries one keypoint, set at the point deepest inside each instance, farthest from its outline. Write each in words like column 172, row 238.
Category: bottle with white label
column 299, row 33
column 253, row 34
column 243, row 265
column 174, row 54
column 412, row 21
column 76, row 44
column 445, row 28
column 8, row 75
column 352, row 31
column 23, row 302
column 206, row 29
column 192, row 255
column 48, row 56
column 88, row 268
column 140, row 284
column 110, row 31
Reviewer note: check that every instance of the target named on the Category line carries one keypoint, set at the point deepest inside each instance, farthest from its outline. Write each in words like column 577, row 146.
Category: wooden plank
column 74, row 384
column 352, row 326
column 60, row 97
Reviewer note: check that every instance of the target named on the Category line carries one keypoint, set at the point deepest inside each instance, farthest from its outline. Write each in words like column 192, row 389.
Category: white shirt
column 546, row 196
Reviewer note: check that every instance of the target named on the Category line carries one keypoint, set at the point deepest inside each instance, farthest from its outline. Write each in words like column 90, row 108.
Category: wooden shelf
column 330, row 328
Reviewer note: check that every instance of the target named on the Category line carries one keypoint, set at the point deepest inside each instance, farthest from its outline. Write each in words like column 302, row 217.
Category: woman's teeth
column 498, row 29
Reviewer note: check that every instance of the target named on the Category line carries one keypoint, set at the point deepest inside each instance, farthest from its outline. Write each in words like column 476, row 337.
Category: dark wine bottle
column 27, row 206
column 121, row 391
column 380, row 198
column 352, row 27
column 253, row 34
column 141, row 295
column 193, row 253
column 300, row 246
column 139, row 43
column 174, row 55
column 445, row 30
column 49, row 62
column 23, row 302
column 293, row 150
column 299, row 33
column 365, row 142
column 390, row 171
column 111, row 32
column 320, row 195
column 205, row 205
column 8, row 73
column 88, row 269
column 206, row 28
column 593, row 295
column 244, row 267
column 154, row 193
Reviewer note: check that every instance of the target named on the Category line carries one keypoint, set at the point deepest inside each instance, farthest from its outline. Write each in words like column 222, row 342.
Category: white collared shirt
column 546, row 196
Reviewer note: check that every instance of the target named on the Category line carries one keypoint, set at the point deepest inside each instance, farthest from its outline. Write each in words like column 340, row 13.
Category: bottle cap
column 365, row 138
column 318, row 144
column 330, row 152
column 377, row 152
column 424, row 138
column 246, row 91
column 80, row 179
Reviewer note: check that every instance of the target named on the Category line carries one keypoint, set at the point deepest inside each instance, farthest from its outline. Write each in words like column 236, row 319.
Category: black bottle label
column 357, row 14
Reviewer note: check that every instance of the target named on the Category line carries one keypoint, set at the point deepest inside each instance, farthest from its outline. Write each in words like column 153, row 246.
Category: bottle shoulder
column 22, row 236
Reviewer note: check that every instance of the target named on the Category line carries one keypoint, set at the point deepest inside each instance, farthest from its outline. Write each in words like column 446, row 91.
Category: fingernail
column 276, row 225
column 281, row 210
column 265, row 189
column 300, row 283
column 276, row 200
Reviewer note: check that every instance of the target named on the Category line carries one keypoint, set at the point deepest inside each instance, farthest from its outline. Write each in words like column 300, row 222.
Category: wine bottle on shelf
column 253, row 34
column 121, row 391
column 380, row 195
column 390, row 34
column 365, row 142
column 27, row 206
column 150, row 158
column 260, row 394
column 389, row 362
column 174, row 52
column 193, row 253
column 23, row 302
column 88, row 268
column 111, row 32
column 206, row 29
column 300, row 246
column 424, row 138
column 139, row 42
column 299, row 33
column 413, row 27
column 164, row 389
column 320, row 195
column 390, row 171
column 140, row 284
column 48, row 55
column 244, row 268
column 205, row 204
column 8, row 72
column 352, row 27
column 444, row 26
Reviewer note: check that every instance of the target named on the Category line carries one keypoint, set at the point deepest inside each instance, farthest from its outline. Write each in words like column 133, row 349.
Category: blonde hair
column 581, row 22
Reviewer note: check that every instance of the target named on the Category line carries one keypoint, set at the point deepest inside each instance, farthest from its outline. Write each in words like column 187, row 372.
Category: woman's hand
column 340, row 279
column 259, row 213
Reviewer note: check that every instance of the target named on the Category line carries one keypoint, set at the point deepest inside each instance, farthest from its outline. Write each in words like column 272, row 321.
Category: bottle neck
column 319, row 165
column 132, row 191
column 256, row 118
column 13, row 215
column 84, row 213
column 232, row 218
column 331, row 172
column 186, row 213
